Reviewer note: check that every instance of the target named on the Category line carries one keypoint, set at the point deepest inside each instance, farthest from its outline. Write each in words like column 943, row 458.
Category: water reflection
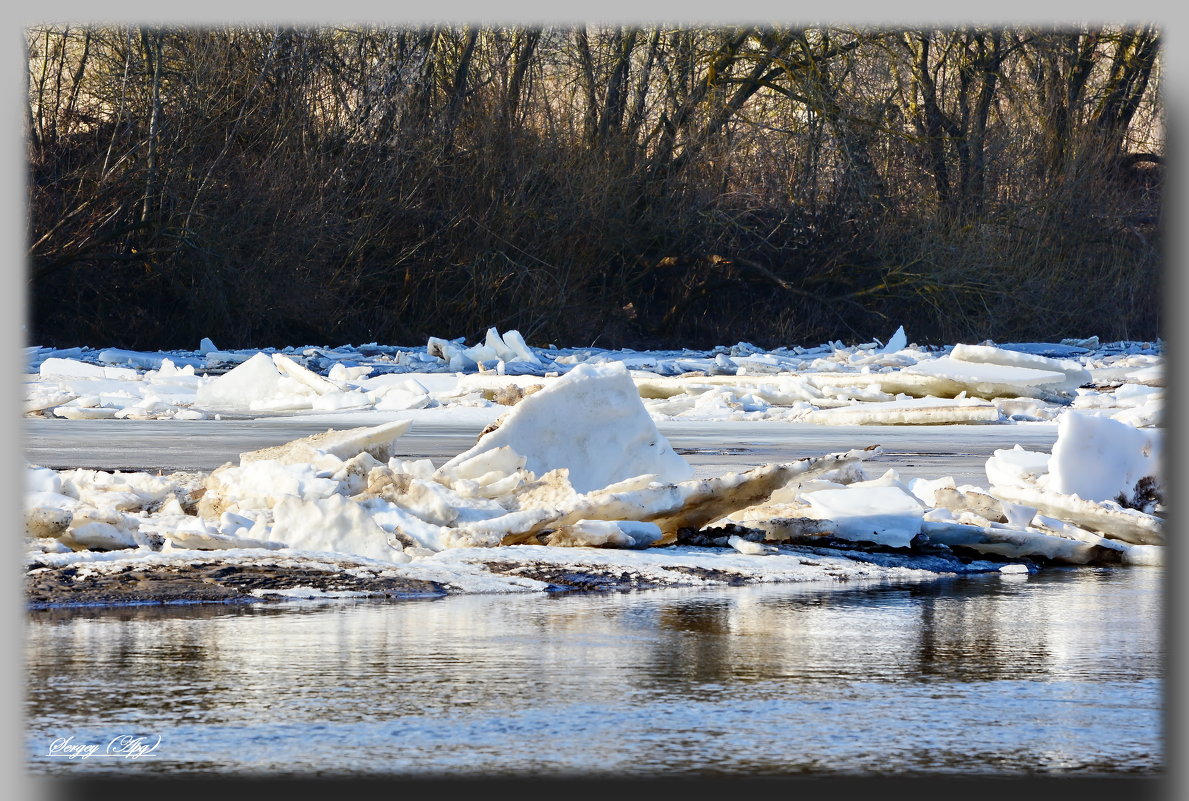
column 1061, row 672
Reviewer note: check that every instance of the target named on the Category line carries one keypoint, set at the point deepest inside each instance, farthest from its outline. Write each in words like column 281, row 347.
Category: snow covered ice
column 576, row 472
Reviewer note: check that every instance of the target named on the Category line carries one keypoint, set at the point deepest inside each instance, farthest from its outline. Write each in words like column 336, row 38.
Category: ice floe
column 831, row 384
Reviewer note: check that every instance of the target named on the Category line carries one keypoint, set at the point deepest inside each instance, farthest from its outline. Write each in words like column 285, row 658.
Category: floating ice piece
column 898, row 342
column 341, row 374
column 169, row 373
column 778, row 390
column 86, row 412
column 215, row 358
column 308, row 378
column 42, row 479
column 493, row 387
column 1101, row 459
column 43, row 397
column 1052, row 350
column 1152, row 376
column 118, row 490
column 886, row 515
column 73, row 368
column 895, row 382
column 911, row 411
column 976, row 503
column 590, row 421
column 98, row 536
column 925, row 489
column 1025, row 409
column 207, row 540
column 1147, row 416
column 1060, row 528
column 446, row 350
column 790, row 528
column 1075, row 374
column 1017, row 515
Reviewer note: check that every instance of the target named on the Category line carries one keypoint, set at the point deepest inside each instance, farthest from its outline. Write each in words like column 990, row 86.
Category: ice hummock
column 590, row 422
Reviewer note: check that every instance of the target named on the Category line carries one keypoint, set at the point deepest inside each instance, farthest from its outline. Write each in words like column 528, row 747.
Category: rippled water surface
column 1058, row 673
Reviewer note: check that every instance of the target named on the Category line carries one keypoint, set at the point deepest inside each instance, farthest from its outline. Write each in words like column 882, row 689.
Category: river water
column 1059, row 673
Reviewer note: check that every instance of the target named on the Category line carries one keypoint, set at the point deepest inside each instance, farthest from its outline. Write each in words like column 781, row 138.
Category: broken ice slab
column 73, row 368
column 1107, row 519
column 1017, row 543
column 673, row 506
column 375, row 440
column 778, row 390
column 986, row 380
column 1075, row 374
column 910, row 411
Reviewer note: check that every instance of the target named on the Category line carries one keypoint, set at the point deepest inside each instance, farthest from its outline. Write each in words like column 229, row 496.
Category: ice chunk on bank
column 332, row 524
column 590, row 421
column 1106, row 518
column 1016, row 467
column 1100, row 459
column 887, row 515
column 605, row 533
column 1017, row 543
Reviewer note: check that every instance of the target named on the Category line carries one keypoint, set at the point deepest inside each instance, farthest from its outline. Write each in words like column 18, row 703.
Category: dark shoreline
column 233, row 581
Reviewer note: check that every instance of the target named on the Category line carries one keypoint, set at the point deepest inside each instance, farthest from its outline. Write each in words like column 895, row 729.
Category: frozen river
column 712, row 447
column 1055, row 674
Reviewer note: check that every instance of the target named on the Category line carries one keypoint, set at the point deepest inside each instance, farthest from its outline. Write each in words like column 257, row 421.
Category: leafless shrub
column 613, row 186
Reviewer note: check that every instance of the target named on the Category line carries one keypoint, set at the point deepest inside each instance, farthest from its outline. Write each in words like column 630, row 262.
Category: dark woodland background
column 641, row 187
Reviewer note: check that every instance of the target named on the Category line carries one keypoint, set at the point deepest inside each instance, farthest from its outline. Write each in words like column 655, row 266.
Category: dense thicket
column 618, row 186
